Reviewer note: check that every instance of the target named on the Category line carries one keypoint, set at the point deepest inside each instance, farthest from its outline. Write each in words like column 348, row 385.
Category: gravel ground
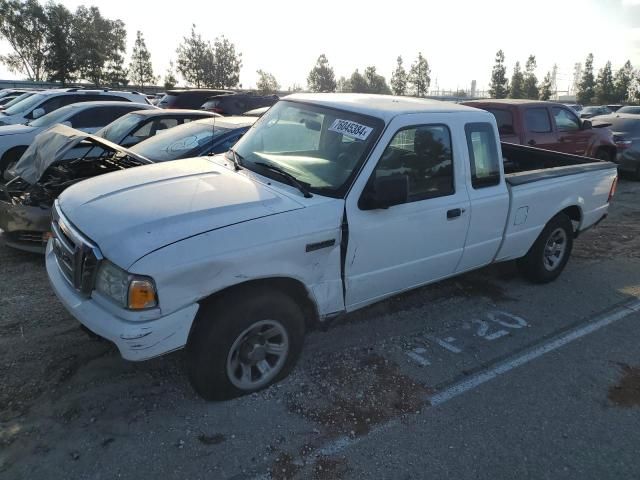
column 70, row 407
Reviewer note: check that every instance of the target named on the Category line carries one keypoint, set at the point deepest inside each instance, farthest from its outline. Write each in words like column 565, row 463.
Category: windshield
column 25, row 104
column 321, row 147
column 57, row 116
column 117, row 130
column 179, row 142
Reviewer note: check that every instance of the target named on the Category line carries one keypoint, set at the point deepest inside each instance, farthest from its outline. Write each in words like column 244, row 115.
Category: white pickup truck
column 329, row 203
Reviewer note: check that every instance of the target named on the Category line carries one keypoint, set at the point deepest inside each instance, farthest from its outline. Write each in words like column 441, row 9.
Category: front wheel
column 550, row 253
column 244, row 342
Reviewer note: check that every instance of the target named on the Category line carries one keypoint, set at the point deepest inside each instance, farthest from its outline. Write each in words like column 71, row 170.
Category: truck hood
column 131, row 213
column 15, row 129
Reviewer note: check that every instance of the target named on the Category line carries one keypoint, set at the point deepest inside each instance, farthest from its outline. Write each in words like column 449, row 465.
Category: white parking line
column 504, row 367
column 340, row 444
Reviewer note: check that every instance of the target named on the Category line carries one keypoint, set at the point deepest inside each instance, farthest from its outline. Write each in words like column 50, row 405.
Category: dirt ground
column 70, row 407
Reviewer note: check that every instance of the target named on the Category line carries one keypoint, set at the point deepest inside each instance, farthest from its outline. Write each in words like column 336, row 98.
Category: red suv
column 549, row 125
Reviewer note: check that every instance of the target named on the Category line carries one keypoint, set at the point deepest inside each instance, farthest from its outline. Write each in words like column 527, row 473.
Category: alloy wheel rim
column 257, row 355
column 555, row 249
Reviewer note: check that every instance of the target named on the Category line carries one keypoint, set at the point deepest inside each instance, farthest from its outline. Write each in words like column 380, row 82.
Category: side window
column 423, row 154
column 153, row 127
column 144, row 131
column 565, row 120
column 483, row 155
column 53, row 104
column 537, row 120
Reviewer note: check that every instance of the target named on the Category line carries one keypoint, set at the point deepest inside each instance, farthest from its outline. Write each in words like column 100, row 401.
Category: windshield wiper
column 236, row 159
column 292, row 180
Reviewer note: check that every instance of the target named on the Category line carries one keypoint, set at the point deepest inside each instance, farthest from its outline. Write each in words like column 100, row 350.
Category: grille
column 77, row 257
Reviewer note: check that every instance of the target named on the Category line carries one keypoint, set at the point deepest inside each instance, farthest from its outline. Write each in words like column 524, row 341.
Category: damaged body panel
column 59, row 158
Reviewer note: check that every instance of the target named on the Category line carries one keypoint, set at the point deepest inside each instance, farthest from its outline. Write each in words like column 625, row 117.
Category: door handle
column 531, row 142
column 454, row 213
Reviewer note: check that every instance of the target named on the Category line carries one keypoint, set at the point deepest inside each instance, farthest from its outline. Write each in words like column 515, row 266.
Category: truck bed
column 524, row 164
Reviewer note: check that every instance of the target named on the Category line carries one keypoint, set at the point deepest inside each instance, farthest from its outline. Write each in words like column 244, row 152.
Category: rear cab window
column 484, row 160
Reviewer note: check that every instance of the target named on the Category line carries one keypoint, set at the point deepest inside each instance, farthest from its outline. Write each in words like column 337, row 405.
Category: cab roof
column 380, row 106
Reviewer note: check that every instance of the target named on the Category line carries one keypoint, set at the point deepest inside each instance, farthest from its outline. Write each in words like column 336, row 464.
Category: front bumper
column 136, row 340
column 25, row 227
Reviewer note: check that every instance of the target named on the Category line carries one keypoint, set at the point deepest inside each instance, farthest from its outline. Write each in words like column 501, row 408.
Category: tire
column 602, row 154
column 10, row 157
column 229, row 337
column 539, row 265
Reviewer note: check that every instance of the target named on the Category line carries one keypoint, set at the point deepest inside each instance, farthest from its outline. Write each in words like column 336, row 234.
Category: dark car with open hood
column 63, row 156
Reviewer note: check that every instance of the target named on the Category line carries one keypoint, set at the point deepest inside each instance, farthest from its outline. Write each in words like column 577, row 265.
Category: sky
column 459, row 38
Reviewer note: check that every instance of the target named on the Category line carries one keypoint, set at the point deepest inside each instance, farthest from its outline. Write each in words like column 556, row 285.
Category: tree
column 60, row 61
column 376, row 83
column 605, row 89
column 530, row 80
column 227, row 63
column 356, row 83
column 622, row 82
column 140, row 67
column 499, row 87
column 586, row 87
column 546, row 87
column 170, row 80
column 577, row 77
column 342, row 84
column 419, row 76
column 114, row 74
column 634, row 89
column 267, row 83
column 517, row 82
column 102, row 44
column 321, row 77
column 399, row 79
column 195, row 58
column 23, row 24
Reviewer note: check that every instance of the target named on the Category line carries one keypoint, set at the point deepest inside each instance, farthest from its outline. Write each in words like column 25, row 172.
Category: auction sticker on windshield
column 351, row 129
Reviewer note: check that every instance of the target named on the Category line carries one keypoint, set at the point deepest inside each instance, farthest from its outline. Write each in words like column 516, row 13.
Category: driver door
column 418, row 241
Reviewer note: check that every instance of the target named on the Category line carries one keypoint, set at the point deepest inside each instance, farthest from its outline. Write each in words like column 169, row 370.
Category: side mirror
column 386, row 192
column 37, row 113
column 586, row 125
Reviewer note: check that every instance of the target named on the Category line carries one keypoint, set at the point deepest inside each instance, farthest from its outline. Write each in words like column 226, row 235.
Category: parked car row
column 224, row 102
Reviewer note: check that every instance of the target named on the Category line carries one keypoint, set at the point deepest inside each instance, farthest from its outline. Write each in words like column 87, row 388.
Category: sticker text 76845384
column 351, row 129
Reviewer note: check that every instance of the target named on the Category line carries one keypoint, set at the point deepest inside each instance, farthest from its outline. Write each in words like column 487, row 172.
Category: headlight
column 129, row 291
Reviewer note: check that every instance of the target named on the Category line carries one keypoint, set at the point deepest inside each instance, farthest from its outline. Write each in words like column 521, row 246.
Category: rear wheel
column 550, row 253
column 10, row 158
column 244, row 342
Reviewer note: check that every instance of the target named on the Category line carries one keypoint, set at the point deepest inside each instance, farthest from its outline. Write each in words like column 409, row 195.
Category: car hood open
column 52, row 146
column 137, row 211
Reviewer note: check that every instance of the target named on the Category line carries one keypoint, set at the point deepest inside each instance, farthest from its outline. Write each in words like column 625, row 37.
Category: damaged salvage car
column 62, row 156
column 47, row 169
